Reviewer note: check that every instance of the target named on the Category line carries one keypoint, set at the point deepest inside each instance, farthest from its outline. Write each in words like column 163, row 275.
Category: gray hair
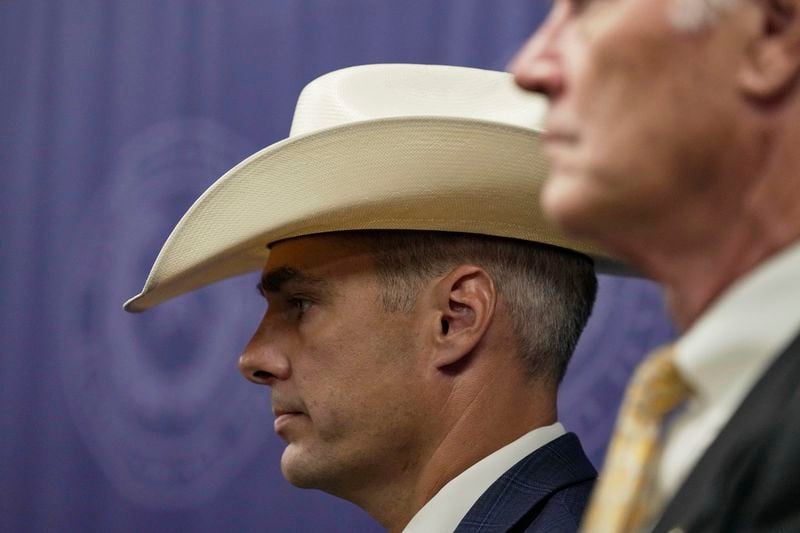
column 696, row 15
column 549, row 291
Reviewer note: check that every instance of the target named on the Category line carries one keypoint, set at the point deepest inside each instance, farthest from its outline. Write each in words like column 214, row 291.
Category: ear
column 773, row 60
column 464, row 304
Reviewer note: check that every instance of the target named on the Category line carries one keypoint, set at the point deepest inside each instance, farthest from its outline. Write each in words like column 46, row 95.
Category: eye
column 578, row 6
column 298, row 306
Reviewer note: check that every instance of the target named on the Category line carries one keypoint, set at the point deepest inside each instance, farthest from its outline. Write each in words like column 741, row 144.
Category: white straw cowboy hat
column 420, row 147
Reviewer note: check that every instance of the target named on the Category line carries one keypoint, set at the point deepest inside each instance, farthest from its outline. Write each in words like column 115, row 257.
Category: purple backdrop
column 114, row 116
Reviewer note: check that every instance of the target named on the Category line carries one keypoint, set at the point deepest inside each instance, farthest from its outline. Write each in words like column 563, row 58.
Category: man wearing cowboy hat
column 420, row 315
column 674, row 139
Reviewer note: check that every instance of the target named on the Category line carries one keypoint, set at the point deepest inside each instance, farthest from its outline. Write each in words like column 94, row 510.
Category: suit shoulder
column 563, row 510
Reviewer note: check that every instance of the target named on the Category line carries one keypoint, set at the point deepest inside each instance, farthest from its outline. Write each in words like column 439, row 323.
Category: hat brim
column 426, row 173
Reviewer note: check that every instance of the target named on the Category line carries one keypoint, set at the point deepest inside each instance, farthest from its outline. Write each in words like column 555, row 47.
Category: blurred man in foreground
column 420, row 316
column 673, row 138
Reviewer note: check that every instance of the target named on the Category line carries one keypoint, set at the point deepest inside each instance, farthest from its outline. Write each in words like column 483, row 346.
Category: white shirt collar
column 732, row 344
column 445, row 510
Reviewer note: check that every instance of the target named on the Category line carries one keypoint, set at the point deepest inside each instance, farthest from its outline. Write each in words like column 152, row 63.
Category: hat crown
column 373, row 92
column 390, row 147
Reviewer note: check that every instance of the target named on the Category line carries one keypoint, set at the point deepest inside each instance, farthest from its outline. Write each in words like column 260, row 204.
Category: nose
column 538, row 65
column 263, row 361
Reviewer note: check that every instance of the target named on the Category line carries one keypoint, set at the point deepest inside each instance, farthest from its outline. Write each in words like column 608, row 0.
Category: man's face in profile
column 641, row 95
column 344, row 372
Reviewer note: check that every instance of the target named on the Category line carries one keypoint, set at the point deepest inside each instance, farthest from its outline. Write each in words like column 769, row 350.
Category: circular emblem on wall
column 157, row 396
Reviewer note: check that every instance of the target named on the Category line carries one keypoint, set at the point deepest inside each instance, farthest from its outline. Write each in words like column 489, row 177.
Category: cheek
column 355, row 367
column 630, row 91
column 617, row 52
column 335, row 376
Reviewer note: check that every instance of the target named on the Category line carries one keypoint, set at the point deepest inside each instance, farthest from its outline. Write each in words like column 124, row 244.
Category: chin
column 312, row 469
column 299, row 480
column 297, row 469
column 565, row 202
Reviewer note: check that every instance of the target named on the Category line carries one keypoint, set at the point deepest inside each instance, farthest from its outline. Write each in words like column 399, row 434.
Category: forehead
column 327, row 256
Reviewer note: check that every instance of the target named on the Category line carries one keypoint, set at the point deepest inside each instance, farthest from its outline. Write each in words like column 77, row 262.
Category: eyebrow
column 275, row 280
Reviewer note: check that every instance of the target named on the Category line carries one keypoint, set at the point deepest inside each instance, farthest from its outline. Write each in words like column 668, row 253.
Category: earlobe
column 772, row 63
column 465, row 300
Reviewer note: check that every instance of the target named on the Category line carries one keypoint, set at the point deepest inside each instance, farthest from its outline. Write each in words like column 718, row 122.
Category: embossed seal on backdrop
column 158, row 397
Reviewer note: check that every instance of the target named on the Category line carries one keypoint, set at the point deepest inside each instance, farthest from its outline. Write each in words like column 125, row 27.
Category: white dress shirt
column 445, row 510
column 722, row 356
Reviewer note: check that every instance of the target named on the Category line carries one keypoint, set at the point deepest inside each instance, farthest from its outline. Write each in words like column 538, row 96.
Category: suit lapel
column 525, row 488
column 715, row 486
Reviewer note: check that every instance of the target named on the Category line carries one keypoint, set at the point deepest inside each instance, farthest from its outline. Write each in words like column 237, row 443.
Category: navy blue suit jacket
column 546, row 491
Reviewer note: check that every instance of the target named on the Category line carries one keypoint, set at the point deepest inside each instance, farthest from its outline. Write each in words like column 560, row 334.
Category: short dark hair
column 548, row 290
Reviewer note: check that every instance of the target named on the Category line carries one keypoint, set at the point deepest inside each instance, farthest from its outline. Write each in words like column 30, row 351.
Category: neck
column 479, row 432
column 694, row 279
column 701, row 256
column 481, row 416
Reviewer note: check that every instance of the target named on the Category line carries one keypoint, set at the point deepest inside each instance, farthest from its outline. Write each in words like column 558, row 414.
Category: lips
column 286, row 414
column 285, row 402
column 560, row 137
column 561, row 126
column 278, row 412
column 285, row 419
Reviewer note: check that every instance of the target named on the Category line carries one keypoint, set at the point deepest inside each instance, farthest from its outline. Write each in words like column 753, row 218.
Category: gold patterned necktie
column 621, row 501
